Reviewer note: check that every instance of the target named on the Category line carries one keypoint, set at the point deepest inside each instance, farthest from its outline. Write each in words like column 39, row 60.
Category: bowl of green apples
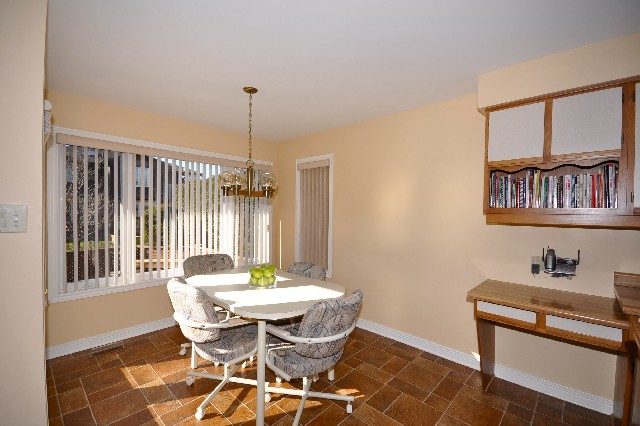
column 263, row 276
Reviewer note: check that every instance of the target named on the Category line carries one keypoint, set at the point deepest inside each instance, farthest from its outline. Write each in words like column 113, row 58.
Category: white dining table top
column 291, row 297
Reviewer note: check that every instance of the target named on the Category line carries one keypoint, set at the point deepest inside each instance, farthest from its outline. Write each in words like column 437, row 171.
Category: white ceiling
column 318, row 65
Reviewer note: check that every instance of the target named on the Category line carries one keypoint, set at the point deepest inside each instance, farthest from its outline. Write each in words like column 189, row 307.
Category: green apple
column 253, row 281
column 256, row 272
column 271, row 279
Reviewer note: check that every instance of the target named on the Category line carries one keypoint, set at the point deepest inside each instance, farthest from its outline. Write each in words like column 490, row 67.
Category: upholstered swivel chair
column 229, row 342
column 206, row 264
column 308, row 270
column 314, row 347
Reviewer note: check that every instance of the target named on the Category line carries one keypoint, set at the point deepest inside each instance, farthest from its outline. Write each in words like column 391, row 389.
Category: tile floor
column 394, row 384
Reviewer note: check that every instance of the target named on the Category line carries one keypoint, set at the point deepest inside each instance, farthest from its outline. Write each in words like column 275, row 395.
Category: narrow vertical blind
column 314, row 212
column 132, row 218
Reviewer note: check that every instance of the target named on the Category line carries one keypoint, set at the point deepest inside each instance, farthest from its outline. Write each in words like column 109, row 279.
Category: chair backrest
column 328, row 318
column 206, row 264
column 309, row 270
column 193, row 304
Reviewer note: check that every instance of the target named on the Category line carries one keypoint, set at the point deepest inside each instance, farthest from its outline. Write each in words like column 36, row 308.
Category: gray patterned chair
column 313, row 347
column 229, row 342
column 309, row 270
column 206, row 264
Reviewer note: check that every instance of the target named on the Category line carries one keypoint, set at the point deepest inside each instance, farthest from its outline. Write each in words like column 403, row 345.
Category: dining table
column 291, row 296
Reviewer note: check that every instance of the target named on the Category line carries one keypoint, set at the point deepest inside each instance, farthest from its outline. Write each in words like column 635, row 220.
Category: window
column 314, row 210
column 126, row 215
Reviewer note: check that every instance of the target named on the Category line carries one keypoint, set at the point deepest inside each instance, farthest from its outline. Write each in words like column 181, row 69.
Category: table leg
column 487, row 349
column 262, row 344
column 623, row 391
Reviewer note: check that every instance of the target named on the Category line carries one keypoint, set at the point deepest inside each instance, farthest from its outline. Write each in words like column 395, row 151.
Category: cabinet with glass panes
column 565, row 160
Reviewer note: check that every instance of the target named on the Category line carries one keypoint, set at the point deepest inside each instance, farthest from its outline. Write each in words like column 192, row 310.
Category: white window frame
column 56, row 235
column 300, row 161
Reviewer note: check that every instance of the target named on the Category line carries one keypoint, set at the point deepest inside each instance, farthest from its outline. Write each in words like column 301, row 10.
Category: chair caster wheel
column 251, row 358
column 190, row 380
column 267, row 397
column 216, row 364
column 183, row 351
column 349, row 408
column 278, row 379
column 199, row 414
column 244, row 364
column 315, row 378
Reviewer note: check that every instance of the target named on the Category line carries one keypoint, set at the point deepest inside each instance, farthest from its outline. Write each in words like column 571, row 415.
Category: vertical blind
column 314, row 213
column 132, row 218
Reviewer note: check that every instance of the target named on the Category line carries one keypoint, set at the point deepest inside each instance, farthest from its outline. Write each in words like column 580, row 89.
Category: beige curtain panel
column 314, row 214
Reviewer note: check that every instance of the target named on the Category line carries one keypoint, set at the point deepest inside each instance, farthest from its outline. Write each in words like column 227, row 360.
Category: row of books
column 535, row 188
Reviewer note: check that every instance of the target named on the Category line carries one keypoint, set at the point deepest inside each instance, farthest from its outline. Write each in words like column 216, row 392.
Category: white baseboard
column 565, row 393
column 107, row 338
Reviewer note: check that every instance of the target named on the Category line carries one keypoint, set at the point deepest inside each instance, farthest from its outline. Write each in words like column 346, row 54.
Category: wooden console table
column 580, row 319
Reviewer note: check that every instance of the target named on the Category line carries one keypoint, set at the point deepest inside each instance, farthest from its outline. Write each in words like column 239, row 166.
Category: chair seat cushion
column 282, row 355
column 233, row 343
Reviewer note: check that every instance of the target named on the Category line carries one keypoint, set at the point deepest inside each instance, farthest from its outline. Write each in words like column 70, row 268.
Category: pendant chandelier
column 252, row 183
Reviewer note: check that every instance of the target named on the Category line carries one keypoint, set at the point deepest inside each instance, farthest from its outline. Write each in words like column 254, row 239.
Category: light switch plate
column 13, row 218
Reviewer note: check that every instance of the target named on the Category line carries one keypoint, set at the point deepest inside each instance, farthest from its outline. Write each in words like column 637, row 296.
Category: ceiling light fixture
column 242, row 183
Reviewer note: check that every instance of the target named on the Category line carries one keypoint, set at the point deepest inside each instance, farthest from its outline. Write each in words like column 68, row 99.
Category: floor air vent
column 104, row 349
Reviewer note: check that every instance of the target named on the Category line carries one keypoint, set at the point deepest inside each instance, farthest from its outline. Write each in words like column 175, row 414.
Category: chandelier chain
column 250, row 117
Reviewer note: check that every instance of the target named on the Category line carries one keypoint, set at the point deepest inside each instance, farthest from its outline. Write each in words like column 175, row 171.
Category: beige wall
column 409, row 231
column 595, row 63
column 79, row 319
column 22, row 363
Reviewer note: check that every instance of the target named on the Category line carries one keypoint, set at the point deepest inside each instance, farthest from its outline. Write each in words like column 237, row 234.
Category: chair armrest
column 232, row 322
column 283, row 334
column 278, row 332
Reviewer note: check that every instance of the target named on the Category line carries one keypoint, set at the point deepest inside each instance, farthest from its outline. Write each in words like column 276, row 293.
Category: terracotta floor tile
column 549, row 411
column 448, row 389
column 475, row 380
column 118, row 407
column 358, row 385
column 576, row 420
column 56, row 421
column 510, row 420
column 64, row 387
column 70, row 365
column 455, row 366
column 375, row 357
column 364, row 336
column 171, row 365
column 333, row 415
column 473, row 412
column 450, row 421
column 143, row 374
column 186, row 411
column 486, row 398
column 375, row 372
column 409, row 411
column 514, row 393
column 72, row 400
column 550, row 400
column 371, row 416
column 586, row 413
column 540, row 420
column 383, row 398
column 437, row 402
column 409, row 389
column 458, row 377
column 395, row 365
column 430, row 365
column 75, row 375
column 421, row 377
column 109, row 392
column 408, row 354
column 136, row 419
column 521, row 412
column 156, row 392
column 53, row 407
column 82, row 417
column 107, row 378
